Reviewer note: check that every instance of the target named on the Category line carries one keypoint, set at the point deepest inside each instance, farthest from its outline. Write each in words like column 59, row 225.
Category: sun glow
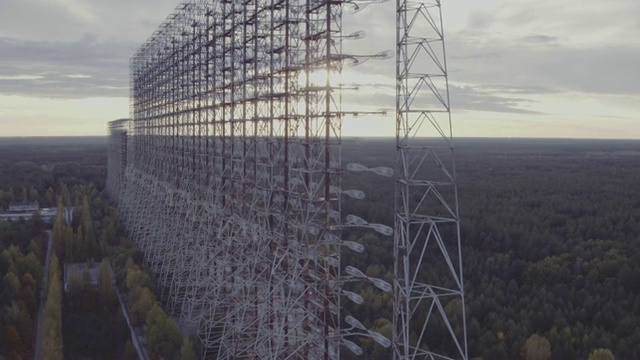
column 316, row 78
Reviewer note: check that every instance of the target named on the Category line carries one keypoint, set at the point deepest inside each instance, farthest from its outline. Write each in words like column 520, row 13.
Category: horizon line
column 357, row 137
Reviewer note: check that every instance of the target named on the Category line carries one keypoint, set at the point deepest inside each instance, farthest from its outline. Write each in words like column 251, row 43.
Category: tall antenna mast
column 428, row 314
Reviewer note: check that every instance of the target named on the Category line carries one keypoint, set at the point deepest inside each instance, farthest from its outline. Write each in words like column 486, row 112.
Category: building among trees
column 81, row 272
column 26, row 210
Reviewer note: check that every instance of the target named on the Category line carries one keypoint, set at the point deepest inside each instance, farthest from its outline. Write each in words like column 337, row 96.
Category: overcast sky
column 517, row 68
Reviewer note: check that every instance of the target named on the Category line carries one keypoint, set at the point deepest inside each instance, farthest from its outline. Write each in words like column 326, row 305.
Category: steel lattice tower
column 429, row 314
column 232, row 186
column 117, row 157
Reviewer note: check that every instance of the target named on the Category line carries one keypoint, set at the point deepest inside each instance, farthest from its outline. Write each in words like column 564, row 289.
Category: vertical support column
column 234, row 199
column 428, row 314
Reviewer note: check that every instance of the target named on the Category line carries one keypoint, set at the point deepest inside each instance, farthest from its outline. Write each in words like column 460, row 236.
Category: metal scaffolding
column 117, row 157
column 228, row 177
column 429, row 313
column 232, row 186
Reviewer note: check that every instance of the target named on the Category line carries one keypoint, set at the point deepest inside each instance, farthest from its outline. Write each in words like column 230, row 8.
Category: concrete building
column 24, row 211
column 80, row 268
column 24, row 207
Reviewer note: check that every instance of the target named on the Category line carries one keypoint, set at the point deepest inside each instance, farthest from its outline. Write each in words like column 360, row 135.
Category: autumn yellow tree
column 601, row 354
column 52, row 323
column 537, row 348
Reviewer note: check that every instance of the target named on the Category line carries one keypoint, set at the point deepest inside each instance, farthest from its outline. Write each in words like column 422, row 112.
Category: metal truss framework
column 233, row 180
column 232, row 183
column 429, row 314
column 117, row 157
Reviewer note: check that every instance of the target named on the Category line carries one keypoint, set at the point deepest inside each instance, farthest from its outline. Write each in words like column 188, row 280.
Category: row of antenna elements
column 357, row 328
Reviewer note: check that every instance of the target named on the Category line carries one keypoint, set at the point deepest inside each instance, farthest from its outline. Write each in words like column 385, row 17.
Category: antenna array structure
column 117, row 157
column 428, row 314
column 233, row 187
column 232, row 183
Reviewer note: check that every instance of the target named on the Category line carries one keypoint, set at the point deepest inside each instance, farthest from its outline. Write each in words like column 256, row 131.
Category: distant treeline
column 551, row 244
column 35, row 168
column 550, row 231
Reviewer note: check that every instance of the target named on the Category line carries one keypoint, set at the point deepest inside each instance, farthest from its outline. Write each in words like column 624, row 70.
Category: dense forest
column 550, row 232
column 32, row 169
column 21, row 271
column 551, row 244
column 85, row 320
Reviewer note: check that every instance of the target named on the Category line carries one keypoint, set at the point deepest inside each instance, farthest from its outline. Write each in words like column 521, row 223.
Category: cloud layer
column 514, row 58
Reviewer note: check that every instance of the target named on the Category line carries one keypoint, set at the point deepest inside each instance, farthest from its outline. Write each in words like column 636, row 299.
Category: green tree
column 110, row 233
column 49, row 198
column 163, row 337
column 18, row 329
column 58, row 233
column 35, row 247
column 11, row 284
column 27, row 294
column 30, row 264
column 52, row 322
column 65, row 195
column 9, row 196
column 9, row 258
column 14, row 340
column 186, row 351
column 33, row 194
column 137, row 279
column 601, row 354
column 537, row 348
column 130, row 352
column 82, row 251
column 140, row 310
column 23, row 194
column 106, row 291
column 70, row 245
column 87, row 226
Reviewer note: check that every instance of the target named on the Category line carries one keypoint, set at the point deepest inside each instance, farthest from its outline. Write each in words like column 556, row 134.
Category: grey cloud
column 517, row 90
column 545, row 61
column 115, row 20
column 540, row 39
column 467, row 98
column 556, row 44
column 500, row 71
column 597, row 69
column 53, row 40
column 104, row 66
column 559, row 17
column 368, row 102
column 463, row 98
column 31, row 19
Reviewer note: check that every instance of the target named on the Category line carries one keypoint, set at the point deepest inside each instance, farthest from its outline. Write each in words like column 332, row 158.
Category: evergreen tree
column 58, row 233
column 49, row 198
column 162, row 334
column 144, row 303
column 65, row 195
column 70, row 245
column 106, row 291
column 33, row 194
column 52, row 322
column 89, row 233
column 82, row 251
